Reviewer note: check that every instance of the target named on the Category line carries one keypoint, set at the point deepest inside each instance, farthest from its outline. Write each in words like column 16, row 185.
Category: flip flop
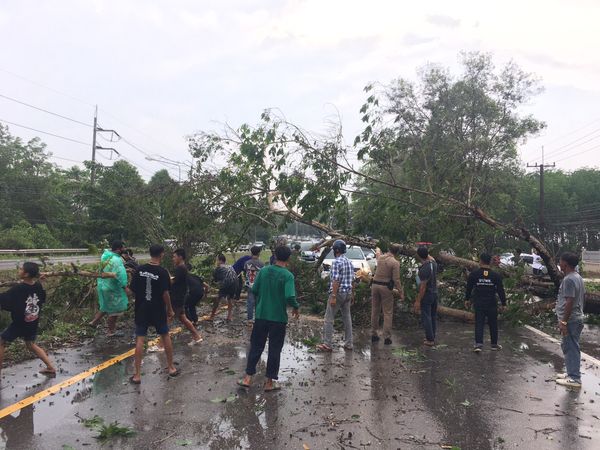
column 133, row 381
column 275, row 387
column 242, row 384
column 193, row 342
column 48, row 372
column 324, row 348
column 174, row 374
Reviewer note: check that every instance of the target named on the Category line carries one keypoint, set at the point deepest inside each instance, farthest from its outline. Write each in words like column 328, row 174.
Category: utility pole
column 95, row 147
column 93, row 174
column 542, row 166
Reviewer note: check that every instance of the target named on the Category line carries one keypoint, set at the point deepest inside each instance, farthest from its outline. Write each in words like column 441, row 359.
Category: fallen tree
column 64, row 273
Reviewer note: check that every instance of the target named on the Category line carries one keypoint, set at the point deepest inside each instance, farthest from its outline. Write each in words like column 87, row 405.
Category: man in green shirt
column 274, row 290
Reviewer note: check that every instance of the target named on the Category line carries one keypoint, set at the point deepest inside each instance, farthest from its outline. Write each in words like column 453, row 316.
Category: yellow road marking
column 81, row 376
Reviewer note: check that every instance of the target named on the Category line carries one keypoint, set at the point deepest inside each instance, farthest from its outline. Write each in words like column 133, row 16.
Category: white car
column 534, row 264
column 354, row 254
column 507, row 260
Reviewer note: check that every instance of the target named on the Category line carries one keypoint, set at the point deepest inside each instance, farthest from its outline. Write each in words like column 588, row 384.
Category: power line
column 88, row 104
column 570, row 146
column 45, row 87
column 45, row 110
column 45, row 132
column 574, row 131
column 577, row 154
column 66, row 159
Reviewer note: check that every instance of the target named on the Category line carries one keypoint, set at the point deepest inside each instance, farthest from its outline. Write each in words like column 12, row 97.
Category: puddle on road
column 345, row 397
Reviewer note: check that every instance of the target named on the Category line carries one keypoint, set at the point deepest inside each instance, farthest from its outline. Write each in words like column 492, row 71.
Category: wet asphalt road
column 403, row 396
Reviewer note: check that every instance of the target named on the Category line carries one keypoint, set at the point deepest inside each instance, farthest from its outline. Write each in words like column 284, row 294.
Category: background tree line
column 437, row 161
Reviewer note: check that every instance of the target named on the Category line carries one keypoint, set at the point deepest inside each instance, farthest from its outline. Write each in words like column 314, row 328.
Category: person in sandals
column 24, row 301
column 274, row 290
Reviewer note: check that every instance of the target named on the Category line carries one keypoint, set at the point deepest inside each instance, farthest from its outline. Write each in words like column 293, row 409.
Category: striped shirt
column 342, row 271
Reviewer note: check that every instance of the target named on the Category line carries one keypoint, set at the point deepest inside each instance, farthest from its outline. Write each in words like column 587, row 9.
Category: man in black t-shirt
column 197, row 287
column 24, row 301
column 483, row 285
column 179, row 290
column 150, row 284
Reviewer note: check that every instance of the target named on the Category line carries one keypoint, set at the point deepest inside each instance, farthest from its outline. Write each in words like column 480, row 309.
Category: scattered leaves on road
column 112, row 430
column 224, row 399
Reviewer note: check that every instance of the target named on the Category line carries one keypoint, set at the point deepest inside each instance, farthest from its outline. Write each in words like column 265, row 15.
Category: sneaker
column 477, row 349
column 496, row 347
column 569, row 382
column 561, row 376
column 374, row 338
column 387, row 341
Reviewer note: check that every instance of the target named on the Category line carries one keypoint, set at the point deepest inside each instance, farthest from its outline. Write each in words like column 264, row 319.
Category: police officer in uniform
column 483, row 285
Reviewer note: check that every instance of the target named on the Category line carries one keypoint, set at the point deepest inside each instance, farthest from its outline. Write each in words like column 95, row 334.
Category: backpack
column 231, row 278
column 200, row 282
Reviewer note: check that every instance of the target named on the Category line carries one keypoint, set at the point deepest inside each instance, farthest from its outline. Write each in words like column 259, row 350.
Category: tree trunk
column 64, row 273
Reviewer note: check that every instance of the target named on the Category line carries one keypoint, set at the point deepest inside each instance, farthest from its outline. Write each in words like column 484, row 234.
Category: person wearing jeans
column 484, row 285
column 569, row 311
column 340, row 297
column 427, row 298
column 428, row 309
column 274, row 290
column 343, row 301
column 251, row 269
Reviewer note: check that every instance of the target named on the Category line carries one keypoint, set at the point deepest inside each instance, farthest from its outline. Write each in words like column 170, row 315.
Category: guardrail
column 44, row 251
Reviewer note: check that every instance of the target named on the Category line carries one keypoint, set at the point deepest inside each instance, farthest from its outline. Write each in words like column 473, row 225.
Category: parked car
column 507, row 260
column 260, row 244
column 307, row 254
column 370, row 256
column 354, row 254
column 534, row 264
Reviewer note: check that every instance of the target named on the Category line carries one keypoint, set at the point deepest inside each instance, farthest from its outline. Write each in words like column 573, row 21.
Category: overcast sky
column 160, row 70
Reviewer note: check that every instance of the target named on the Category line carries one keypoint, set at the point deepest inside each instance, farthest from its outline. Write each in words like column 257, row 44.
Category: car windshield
column 351, row 253
column 304, row 246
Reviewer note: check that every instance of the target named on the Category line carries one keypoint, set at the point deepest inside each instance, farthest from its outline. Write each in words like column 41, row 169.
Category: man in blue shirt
column 340, row 297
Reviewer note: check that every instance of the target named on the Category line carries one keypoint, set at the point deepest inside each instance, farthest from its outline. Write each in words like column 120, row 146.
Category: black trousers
column 483, row 311
column 191, row 301
column 263, row 330
column 239, row 287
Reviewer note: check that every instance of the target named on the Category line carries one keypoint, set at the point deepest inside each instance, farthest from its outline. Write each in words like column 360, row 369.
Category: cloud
column 443, row 20
column 416, row 39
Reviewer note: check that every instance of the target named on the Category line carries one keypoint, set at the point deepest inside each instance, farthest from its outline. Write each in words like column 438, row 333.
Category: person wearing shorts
column 227, row 280
column 150, row 285
column 24, row 301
